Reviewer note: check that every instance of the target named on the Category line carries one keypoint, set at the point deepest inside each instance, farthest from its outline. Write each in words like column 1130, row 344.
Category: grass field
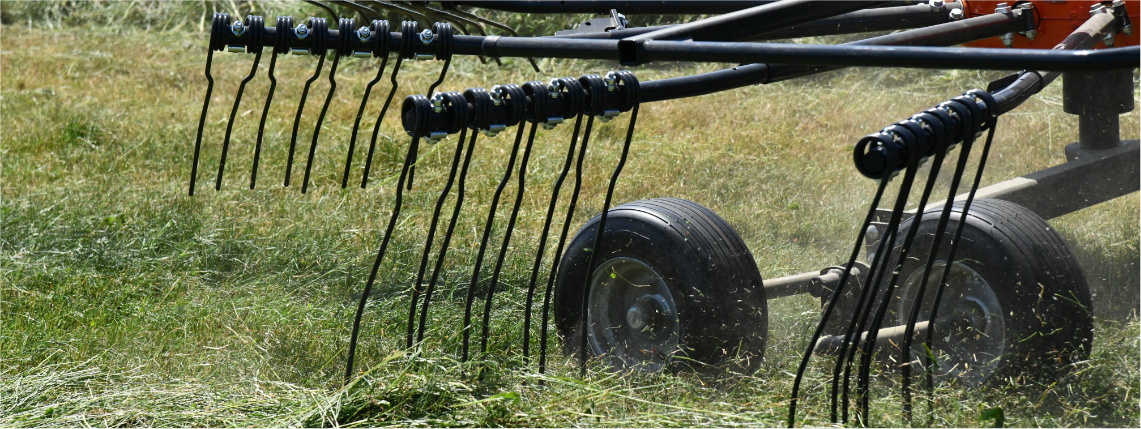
column 127, row 303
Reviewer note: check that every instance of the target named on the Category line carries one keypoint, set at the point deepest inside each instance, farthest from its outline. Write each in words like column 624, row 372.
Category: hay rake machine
column 967, row 289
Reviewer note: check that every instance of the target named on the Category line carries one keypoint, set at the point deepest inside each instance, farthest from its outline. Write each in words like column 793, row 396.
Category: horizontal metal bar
column 831, row 344
column 660, row 7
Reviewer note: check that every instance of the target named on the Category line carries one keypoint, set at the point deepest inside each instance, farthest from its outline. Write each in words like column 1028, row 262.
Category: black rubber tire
column 720, row 302
column 1044, row 300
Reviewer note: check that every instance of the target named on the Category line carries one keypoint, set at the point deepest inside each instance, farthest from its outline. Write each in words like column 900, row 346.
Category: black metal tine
column 432, row 235
column 345, row 28
column 522, row 178
column 408, row 30
column 836, row 295
column 498, row 25
column 447, row 238
column 631, row 99
column 379, row 30
column 459, row 21
column 255, row 27
column 421, row 104
column 419, row 17
column 284, row 27
column 332, row 15
column 574, row 95
column 486, row 235
column 595, row 86
column 300, row 109
column 543, row 238
column 219, row 23
column 443, row 32
column 366, row 13
column 875, row 274
column 992, row 123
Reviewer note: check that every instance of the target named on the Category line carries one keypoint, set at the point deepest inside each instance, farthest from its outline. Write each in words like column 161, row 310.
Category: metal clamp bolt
column 434, row 137
column 551, row 122
column 364, row 34
column 1002, row 8
column 238, row 28
column 936, row 4
column 611, row 81
column 956, row 14
column 494, row 129
column 235, row 49
column 438, row 102
column 1108, row 40
column 496, row 95
column 1008, row 39
column 301, row 31
column 1096, row 9
column 554, row 89
column 608, row 114
column 427, row 37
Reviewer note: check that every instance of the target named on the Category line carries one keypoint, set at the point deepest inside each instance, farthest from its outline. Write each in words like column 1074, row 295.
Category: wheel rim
column 970, row 331
column 631, row 316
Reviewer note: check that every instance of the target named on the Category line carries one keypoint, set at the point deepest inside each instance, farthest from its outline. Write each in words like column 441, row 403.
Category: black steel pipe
column 952, row 33
column 659, row 7
column 751, row 22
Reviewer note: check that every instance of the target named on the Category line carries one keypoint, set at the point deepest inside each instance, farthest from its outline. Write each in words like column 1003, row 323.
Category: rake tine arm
column 218, row 27
column 498, row 25
column 378, row 30
column 367, row 14
column 345, row 26
column 332, row 15
column 256, row 27
column 280, row 46
column 419, row 17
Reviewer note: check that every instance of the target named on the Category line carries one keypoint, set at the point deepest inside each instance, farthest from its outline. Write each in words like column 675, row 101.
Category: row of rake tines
column 483, row 111
column 902, row 146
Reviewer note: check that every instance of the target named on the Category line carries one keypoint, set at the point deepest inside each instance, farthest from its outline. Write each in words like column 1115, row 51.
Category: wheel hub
column 631, row 316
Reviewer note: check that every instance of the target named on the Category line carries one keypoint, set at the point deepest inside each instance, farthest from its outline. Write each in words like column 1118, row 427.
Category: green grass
column 127, row 303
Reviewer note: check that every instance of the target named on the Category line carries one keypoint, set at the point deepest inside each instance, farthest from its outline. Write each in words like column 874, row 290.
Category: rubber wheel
column 1016, row 300
column 673, row 286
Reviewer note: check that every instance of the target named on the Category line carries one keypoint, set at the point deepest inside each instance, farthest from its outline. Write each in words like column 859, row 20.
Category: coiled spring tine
column 516, row 96
column 443, row 32
column 408, row 30
column 418, row 104
column 447, row 238
column 456, row 104
column 219, row 23
column 284, row 26
column 630, row 83
column 379, row 33
column 345, row 28
column 320, row 52
column 574, row 91
column 255, row 27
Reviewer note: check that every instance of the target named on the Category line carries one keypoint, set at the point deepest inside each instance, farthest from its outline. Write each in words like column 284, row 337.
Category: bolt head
column 301, row 31
column 364, row 34
column 1096, row 9
column 936, row 3
column 238, row 28
column 426, row 36
column 1118, row 3
column 956, row 14
column 1002, row 8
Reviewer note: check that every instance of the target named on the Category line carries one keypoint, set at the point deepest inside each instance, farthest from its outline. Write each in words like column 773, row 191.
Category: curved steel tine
column 332, row 14
column 202, row 120
column 297, row 118
column 507, row 237
column 498, row 25
column 447, row 237
column 543, row 238
column 432, row 88
column 408, row 160
column 256, row 27
column 344, row 27
column 602, row 227
column 562, row 242
column 432, row 235
column 278, row 45
column 424, row 20
column 366, row 14
column 357, row 123
column 380, row 118
column 486, row 235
